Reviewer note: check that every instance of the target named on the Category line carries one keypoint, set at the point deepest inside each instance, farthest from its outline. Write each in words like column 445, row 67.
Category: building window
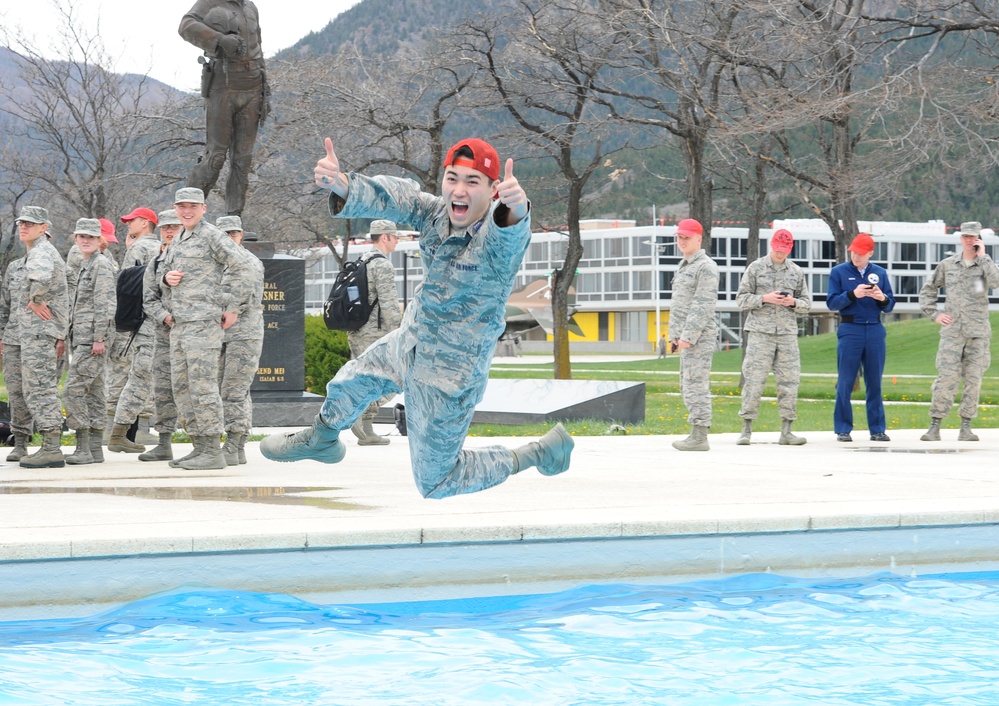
column 719, row 247
column 641, row 284
column 907, row 288
column 538, row 253
column 629, row 326
column 615, row 247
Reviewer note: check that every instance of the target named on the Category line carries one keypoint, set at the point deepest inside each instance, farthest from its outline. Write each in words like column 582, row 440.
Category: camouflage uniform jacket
column 695, row 293
column 92, row 317
column 155, row 295
column 10, row 328
column 40, row 276
column 250, row 324
column 458, row 313
column 967, row 294
column 215, row 274
column 386, row 315
column 764, row 276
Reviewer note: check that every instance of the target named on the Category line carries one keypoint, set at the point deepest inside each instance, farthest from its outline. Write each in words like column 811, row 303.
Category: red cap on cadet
column 141, row 212
column 107, row 230
column 484, row 157
column 689, row 226
column 862, row 244
column 782, row 241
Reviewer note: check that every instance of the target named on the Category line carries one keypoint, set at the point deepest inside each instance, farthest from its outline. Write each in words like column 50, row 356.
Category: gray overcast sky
column 143, row 36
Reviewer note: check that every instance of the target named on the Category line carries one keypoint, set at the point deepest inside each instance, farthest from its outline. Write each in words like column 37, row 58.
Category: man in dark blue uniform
column 860, row 291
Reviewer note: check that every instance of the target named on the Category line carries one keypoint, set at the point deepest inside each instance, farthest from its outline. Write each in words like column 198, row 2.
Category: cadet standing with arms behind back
column 693, row 330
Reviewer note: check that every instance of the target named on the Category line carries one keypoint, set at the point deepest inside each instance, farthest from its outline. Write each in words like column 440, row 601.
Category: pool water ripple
column 755, row 639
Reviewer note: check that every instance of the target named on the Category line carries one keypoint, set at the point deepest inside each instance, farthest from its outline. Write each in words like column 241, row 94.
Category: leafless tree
column 85, row 124
column 543, row 62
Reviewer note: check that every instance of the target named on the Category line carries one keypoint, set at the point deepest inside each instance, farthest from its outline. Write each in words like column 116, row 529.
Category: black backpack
column 347, row 307
column 128, row 315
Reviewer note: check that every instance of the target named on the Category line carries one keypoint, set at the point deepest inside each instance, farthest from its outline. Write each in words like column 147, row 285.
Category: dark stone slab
column 282, row 361
column 282, row 408
column 540, row 401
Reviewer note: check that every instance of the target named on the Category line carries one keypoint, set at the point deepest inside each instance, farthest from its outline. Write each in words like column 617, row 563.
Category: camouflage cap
column 34, row 214
column 970, row 228
column 168, row 218
column 189, row 194
column 88, row 226
column 229, row 223
column 381, row 227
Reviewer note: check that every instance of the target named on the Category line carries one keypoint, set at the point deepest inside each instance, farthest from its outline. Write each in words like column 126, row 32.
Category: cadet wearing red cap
column 860, row 291
column 773, row 292
column 693, row 330
column 473, row 238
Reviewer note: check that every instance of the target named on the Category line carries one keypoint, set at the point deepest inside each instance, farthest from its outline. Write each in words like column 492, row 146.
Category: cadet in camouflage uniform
column 143, row 247
column 385, row 316
column 155, row 305
column 241, row 348
column 207, row 275
column 35, row 319
column 965, row 331
column 473, row 238
column 91, row 322
column 773, row 290
column 693, row 330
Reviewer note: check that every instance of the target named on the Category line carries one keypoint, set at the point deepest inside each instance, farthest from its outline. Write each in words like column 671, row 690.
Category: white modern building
column 617, row 307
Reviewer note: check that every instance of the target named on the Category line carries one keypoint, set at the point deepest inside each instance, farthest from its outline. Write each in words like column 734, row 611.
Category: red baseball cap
column 107, row 230
column 141, row 212
column 782, row 241
column 484, row 157
column 689, row 226
column 863, row 244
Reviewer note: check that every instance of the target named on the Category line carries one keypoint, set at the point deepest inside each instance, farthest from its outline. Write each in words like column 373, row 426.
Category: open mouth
column 459, row 208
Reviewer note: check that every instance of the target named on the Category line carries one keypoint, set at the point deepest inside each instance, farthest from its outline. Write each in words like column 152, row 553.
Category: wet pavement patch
column 284, row 495
column 879, row 450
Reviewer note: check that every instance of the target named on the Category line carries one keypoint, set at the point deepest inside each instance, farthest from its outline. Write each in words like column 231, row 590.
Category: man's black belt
column 849, row 319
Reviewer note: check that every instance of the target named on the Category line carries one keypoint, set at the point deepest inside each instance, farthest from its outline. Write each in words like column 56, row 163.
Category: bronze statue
column 234, row 84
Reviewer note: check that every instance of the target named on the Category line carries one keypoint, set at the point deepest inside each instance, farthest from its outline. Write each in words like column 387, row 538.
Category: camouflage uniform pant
column 695, row 380
column 959, row 358
column 359, row 343
column 195, row 349
column 83, row 393
column 39, row 382
column 240, row 360
column 766, row 351
column 20, row 417
column 437, row 421
column 138, row 390
column 163, row 402
column 119, row 363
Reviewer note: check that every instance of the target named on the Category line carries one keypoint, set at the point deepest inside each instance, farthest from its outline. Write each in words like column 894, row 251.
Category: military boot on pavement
column 82, row 454
column 966, row 434
column 50, row 453
column 318, row 443
column 933, row 433
column 697, row 441
column 787, row 438
column 747, row 432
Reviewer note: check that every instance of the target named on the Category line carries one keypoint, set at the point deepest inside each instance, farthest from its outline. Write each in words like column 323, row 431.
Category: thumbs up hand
column 511, row 194
column 327, row 172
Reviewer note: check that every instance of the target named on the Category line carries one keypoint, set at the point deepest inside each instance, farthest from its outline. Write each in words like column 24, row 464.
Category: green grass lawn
column 909, row 373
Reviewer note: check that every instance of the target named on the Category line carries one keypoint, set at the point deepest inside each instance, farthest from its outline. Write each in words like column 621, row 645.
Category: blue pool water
column 755, row 639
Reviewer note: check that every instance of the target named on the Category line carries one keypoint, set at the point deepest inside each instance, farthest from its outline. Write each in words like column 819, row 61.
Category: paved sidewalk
column 618, row 486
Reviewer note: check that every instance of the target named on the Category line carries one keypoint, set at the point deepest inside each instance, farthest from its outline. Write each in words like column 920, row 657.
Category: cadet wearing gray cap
column 965, row 331
column 386, row 315
column 91, row 322
column 207, row 277
column 156, row 305
column 34, row 320
column 241, row 348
